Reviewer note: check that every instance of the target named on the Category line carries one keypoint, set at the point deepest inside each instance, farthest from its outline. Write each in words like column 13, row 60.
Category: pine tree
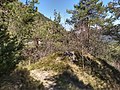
column 57, row 17
column 9, row 46
column 114, row 9
column 32, row 4
column 87, row 15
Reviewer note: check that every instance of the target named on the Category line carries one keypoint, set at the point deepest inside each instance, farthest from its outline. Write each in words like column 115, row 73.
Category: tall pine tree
column 87, row 15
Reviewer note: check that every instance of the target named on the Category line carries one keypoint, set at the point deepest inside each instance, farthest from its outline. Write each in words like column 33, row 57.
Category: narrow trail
column 44, row 77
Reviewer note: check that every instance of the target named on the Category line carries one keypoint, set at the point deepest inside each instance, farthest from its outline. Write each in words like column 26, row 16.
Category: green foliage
column 49, row 63
column 57, row 17
column 27, row 25
column 6, row 1
column 9, row 51
column 114, row 8
column 114, row 32
column 24, row 20
column 9, row 45
column 32, row 4
column 114, row 52
column 94, row 13
column 91, row 12
column 87, row 16
column 91, row 18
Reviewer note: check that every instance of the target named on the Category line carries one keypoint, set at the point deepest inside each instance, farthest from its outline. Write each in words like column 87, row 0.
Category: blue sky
column 47, row 7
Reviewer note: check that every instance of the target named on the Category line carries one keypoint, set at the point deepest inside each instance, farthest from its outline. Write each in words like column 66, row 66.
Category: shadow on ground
column 20, row 80
column 101, row 70
column 68, row 81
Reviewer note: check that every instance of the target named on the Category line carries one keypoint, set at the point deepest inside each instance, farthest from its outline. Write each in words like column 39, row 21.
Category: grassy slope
column 95, row 73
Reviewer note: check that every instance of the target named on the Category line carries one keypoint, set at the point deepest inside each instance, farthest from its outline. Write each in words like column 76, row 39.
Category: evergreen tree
column 87, row 15
column 57, row 17
column 32, row 4
column 9, row 51
column 113, row 8
column 9, row 46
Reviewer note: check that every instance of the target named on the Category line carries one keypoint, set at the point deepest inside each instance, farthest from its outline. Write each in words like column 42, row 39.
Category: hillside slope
column 70, row 70
column 64, row 71
column 60, row 71
column 24, row 22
